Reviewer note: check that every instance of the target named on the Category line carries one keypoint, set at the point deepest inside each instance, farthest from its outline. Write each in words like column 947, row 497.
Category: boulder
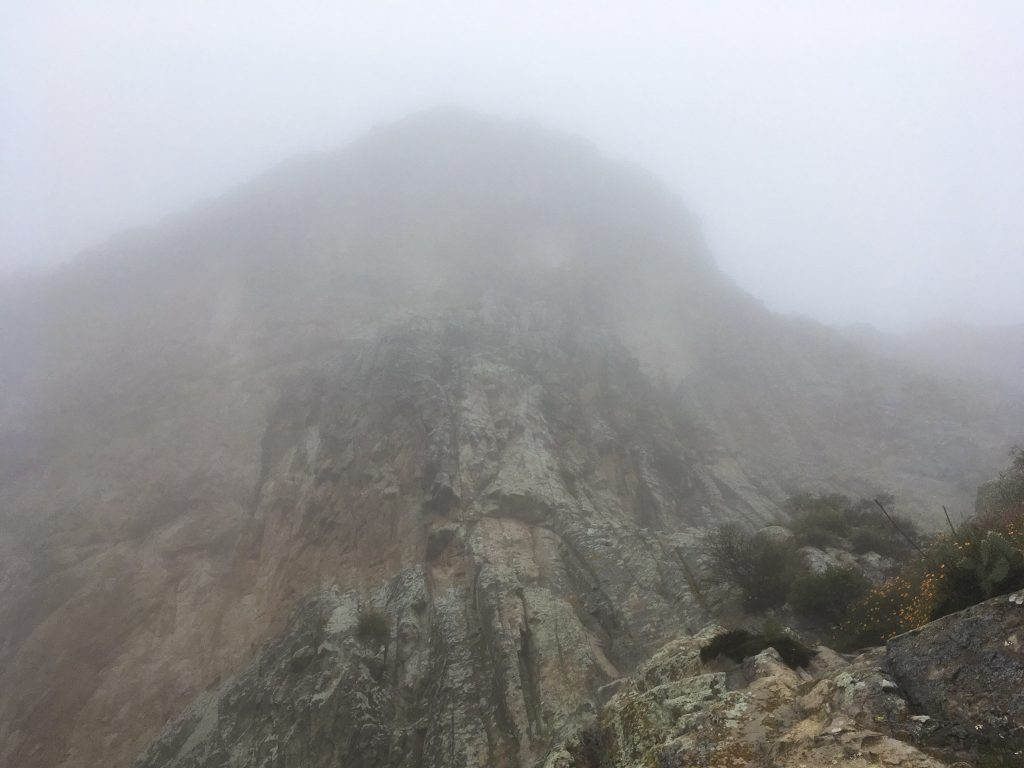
column 965, row 671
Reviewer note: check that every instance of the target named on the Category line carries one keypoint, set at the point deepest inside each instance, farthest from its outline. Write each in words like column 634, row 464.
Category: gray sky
column 850, row 161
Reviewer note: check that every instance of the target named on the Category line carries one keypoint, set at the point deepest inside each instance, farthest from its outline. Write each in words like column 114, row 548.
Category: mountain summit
column 426, row 431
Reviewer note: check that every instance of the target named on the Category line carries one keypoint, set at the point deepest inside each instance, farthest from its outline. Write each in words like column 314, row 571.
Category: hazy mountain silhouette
column 467, row 369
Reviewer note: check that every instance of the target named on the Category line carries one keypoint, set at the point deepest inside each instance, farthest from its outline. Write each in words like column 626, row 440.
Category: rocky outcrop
column 948, row 693
column 677, row 710
column 965, row 672
column 874, row 566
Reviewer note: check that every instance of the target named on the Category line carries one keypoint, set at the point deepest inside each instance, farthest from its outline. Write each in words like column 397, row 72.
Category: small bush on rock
column 761, row 568
column 864, row 540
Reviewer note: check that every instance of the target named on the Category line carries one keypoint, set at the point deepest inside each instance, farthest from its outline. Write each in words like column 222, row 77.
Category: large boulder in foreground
column 965, row 671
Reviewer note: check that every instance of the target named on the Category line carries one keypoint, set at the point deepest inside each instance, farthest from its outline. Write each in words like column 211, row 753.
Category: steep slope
column 463, row 372
column 516, row 502
column 989, row 359
column 814, row 410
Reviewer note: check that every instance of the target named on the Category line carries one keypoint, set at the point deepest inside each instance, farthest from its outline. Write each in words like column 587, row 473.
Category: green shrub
column 971, row 566
column 828, row 596
column 1000, row 505
column 373, row 627
column 761, row 568
column 833, row 520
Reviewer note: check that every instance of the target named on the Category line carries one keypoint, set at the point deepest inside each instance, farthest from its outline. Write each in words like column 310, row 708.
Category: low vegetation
column 981, row 558
column 759, row 566
column 971, row 562
column 833, row 520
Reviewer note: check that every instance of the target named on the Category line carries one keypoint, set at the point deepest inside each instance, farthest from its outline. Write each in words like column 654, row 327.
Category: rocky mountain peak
column 462, row 398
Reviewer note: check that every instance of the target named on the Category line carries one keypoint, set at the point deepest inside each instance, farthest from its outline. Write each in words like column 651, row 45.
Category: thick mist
column 858, row 164
column 459, row 385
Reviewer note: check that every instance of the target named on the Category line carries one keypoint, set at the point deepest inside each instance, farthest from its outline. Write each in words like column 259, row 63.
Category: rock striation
column 322, row 695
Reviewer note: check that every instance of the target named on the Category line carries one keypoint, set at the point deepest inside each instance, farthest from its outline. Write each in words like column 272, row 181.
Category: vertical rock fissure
column 529, row 676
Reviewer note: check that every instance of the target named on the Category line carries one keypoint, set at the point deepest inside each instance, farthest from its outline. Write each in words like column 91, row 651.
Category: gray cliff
column 465, row 377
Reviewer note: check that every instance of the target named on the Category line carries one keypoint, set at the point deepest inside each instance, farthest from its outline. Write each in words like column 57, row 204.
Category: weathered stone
column 966, row 672
column 765, row 716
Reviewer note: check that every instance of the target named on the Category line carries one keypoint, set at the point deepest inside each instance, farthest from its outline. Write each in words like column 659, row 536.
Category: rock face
column 335, row 691
column 524, row 514
column 464, row 374
column 421, row 693
column 966, row 672
column 525, row 534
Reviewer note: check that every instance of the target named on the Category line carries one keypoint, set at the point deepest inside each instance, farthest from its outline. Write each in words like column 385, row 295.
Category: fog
column 851, row 162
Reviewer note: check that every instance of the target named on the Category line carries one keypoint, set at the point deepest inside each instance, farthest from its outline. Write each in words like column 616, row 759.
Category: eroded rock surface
column 966, row 673
column 678, row 711
column 947, row 694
